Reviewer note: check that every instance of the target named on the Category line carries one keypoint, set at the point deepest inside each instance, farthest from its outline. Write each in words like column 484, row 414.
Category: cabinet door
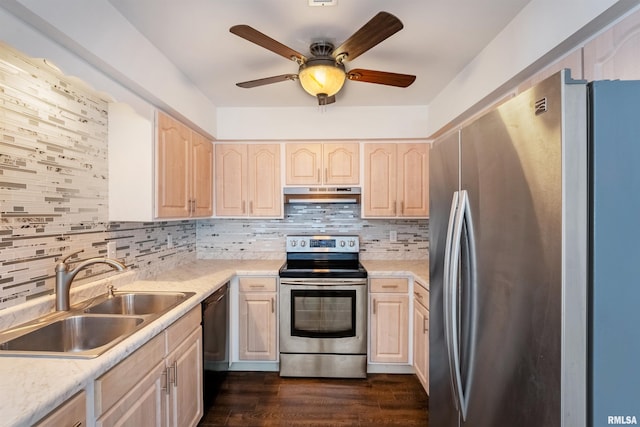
column 380, row 184
column 185, row 378
column 231, row 179
column 613, row 54
column 304, row 163
column 390, row 328
column 257, row 326
column 71, row 413
column 341, row 163
column 421, row 344
column 413, row 180
column 202, row 175
column 143, row 405
column 265, row 191
column 173, row 170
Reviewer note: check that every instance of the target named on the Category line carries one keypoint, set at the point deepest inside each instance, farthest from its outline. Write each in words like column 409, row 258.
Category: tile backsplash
column 252, row 238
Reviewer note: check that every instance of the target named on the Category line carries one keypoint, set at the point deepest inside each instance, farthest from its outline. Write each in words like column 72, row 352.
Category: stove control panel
column 342, row 243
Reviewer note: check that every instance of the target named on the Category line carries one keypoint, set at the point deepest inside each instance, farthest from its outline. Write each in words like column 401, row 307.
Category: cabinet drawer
column 71, row 413
column 111, row 386
column 421, row 295
column 391, row 284
column 257, row 284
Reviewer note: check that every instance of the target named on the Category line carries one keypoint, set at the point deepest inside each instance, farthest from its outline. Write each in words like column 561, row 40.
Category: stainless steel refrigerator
column 534, row 261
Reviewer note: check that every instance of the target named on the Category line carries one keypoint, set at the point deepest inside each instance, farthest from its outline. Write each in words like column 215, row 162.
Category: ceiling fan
column 323, row 74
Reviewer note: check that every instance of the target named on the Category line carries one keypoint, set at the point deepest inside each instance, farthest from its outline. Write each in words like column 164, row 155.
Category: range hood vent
column 322, row 195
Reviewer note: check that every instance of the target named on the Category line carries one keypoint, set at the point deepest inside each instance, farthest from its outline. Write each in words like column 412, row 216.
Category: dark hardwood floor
column 266, row 399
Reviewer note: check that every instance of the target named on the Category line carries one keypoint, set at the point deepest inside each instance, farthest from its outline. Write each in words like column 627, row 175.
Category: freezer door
column 614, row 366
column 511, row 171
column 444, row 183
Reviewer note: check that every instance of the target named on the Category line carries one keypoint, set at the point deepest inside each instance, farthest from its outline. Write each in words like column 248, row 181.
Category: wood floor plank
column 266, row 399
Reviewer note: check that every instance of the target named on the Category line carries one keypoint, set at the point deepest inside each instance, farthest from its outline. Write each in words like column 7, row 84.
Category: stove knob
column 303, row 243
column 352, row 243
column 342, row 243
column 293, row 243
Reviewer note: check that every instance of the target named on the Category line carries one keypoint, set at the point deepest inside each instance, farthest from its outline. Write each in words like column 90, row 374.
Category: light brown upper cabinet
column 396, row 180
column 184, row 171
column 248, row 180
column 323, row 164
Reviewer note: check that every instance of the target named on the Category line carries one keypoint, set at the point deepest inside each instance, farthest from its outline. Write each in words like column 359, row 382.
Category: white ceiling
column 439, row 38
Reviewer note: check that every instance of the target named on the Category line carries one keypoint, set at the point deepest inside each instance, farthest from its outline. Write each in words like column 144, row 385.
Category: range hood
column 322, row 195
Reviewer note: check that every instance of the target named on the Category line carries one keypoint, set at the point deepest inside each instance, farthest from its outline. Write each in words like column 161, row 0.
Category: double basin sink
column 89, row 329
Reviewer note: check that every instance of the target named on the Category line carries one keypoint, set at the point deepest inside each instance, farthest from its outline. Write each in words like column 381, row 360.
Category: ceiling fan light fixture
column 321, row 76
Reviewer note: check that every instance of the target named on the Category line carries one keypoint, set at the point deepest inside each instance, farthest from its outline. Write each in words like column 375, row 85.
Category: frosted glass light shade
column 324, row 77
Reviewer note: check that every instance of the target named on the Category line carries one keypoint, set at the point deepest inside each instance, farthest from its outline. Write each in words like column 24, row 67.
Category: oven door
column 323, row 316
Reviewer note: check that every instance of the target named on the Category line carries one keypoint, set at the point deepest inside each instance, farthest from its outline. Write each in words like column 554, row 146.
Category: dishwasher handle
column 215, row 297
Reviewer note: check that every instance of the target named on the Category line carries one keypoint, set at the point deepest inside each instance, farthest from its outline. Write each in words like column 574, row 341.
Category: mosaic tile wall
column 252, row 238
column 53, row 185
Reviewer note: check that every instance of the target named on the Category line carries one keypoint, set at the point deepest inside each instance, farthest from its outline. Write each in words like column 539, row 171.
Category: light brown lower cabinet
column 421, row 334
column 389, row 336
column 158, row 385
column 257, row 322
column 72, row 413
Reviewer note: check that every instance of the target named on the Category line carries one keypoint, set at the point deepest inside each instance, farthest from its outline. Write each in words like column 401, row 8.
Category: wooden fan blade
column 255, row 36
column 267, row 80
column 381, row 77
column 379, row 28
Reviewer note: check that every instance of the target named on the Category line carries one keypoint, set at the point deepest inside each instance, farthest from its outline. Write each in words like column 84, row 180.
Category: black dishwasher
column 215, row 341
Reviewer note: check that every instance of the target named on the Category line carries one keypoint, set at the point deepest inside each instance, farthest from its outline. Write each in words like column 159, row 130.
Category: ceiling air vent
column 323, row 2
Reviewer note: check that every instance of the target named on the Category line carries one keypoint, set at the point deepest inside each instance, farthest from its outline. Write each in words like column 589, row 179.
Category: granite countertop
column 31, row 387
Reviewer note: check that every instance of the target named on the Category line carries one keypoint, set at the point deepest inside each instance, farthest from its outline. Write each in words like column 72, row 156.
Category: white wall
column 314, row 123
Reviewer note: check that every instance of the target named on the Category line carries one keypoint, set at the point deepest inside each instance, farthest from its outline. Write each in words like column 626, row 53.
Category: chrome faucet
column 65, row 276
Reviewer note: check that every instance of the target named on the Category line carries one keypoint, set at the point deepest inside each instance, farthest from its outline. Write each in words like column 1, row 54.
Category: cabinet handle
column 402, row 208
column 318, row 175
column 374, row 306
column 165, row 377
column 326, row 175
column 395, row 207
column 425, row 328
column 389, row 286
column 256, row 286
column 251, row 206
column 273, row 305
column 77, row 424
column 419, row 296
column 175, row 373
column 244, row 205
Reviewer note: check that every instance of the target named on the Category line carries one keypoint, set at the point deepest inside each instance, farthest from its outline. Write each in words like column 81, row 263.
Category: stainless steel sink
column 138, row 303
column 87, row 332
column 74, row 334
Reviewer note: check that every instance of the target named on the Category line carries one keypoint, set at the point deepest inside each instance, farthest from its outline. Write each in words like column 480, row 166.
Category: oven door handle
column 320, row 282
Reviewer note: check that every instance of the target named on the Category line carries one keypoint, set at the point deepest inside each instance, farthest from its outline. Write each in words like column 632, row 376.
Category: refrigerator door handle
column 463, row 217
column 447, row 304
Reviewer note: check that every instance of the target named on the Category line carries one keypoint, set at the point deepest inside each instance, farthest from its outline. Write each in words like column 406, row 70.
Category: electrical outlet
column 393, row 236
column 111, row 250
column 169, row 241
